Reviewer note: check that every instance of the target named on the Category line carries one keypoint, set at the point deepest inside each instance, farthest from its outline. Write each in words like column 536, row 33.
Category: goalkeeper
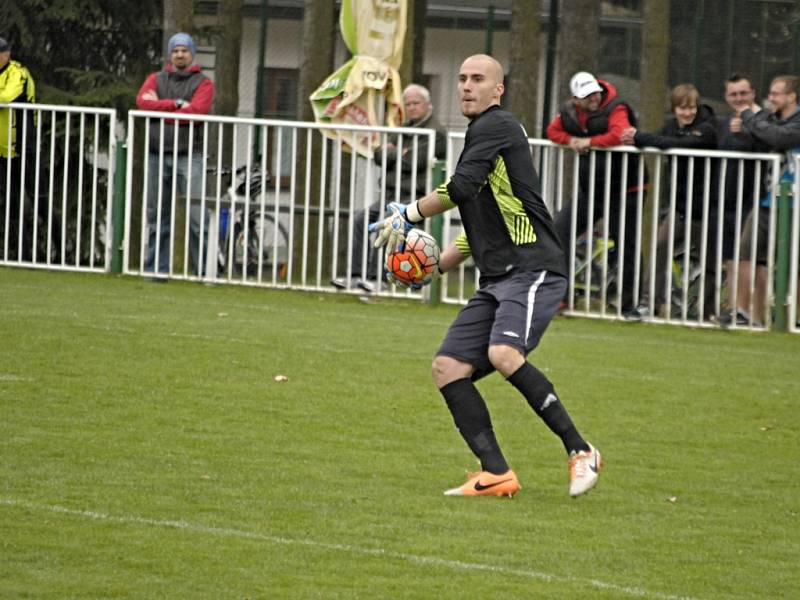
column 510, row 235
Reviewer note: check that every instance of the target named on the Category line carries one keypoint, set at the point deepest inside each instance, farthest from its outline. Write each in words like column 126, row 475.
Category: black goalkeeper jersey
column 495, row 187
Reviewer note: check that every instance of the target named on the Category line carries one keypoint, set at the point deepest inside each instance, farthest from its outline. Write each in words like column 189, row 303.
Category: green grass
column 146, row 451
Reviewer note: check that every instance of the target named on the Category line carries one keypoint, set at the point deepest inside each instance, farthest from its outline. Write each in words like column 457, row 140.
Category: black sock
column 473, row 422
column 539, row 393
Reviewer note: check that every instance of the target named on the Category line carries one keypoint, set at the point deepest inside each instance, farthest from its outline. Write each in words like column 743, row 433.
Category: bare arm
column 450, row 258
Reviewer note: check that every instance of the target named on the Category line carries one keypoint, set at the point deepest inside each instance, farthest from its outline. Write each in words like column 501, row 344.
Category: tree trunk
column 319, row 25
column 178, row 16
column 524, row 63
column 228, row 46
column 319, row 28
column 411, row 71
column 580, row 41
column 655, row 64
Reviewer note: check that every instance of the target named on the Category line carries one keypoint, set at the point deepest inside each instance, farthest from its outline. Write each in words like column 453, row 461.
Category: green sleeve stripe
column 444, row 197
column 516, row 219
column 462, row 244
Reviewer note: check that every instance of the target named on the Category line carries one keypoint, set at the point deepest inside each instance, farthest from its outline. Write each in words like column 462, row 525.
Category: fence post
column 118, row 208
column 437, row 226
column 782, row 267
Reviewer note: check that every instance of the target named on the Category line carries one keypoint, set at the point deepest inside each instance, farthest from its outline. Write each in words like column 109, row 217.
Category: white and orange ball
column 417, row 261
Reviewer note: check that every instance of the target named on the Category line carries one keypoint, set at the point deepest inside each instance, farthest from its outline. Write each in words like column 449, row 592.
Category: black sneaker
column 741, row 318
column 639, row 313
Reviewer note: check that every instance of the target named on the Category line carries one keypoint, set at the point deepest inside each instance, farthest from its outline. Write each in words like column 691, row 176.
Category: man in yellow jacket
column 16, row 85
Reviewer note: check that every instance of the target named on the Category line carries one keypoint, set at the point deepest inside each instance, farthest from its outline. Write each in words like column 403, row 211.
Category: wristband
column 412, row 213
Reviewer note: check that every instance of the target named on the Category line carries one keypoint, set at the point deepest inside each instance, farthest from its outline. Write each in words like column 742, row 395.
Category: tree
column 580, row 41
column 524, row 62
column 411, row 71
column 319, row 24
column 655, row 63
column 93, row 52
column 228, row 46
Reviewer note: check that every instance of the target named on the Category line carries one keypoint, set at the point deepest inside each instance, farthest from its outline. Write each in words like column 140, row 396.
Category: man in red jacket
column 595, row 117
column 180, row 88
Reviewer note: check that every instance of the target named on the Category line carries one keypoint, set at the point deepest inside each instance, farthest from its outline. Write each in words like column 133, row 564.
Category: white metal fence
column 286, row 204
column 271, row 203
column 56, row 187
column 686, row 211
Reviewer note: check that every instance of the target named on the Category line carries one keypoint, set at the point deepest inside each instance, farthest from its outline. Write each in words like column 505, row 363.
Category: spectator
column 740, row 95
column 692, row 126
column 775, row 130
column 179, row 88
column 17, row 85
column 419, row 113
column 596, row 116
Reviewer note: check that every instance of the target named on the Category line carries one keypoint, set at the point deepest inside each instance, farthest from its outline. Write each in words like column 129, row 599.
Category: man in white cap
column 180, row 87
column 595, row 117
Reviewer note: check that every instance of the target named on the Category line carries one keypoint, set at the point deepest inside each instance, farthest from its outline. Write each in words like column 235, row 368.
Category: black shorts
column 513, row 310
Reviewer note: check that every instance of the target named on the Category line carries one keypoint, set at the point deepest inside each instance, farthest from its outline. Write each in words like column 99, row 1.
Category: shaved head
column 494, row 68
column 480, row 84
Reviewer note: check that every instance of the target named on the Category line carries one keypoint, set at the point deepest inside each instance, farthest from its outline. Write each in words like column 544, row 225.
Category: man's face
column 180, row 58
column 781, row 101
column 478, row 86
column 589, row 104
column 739, row 95
column 4, row 58
column 416, row 106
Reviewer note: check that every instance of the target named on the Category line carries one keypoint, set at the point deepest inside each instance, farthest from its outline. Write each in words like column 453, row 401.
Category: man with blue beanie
column 180, row 87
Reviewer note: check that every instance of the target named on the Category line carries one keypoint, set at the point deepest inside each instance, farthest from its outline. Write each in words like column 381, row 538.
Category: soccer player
column 509, row 233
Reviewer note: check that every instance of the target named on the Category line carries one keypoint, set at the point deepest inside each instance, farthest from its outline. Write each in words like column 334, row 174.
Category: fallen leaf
column 281, row 378
column 673, row 499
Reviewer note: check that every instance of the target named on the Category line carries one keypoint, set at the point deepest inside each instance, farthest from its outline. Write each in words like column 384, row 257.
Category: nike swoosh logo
column 479, row 487
column 593, row 467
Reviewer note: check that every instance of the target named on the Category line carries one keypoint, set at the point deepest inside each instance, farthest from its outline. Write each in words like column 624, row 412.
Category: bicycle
column 589, row 273
column 252, row 245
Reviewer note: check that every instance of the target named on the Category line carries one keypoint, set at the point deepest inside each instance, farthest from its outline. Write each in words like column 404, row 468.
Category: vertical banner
column 366, row 90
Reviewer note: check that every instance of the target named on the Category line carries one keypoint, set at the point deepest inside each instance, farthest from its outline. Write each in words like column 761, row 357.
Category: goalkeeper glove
column 393, row 229
column 436, row 274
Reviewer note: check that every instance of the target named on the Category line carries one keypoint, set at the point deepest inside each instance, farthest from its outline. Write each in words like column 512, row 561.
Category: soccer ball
column 416, row 262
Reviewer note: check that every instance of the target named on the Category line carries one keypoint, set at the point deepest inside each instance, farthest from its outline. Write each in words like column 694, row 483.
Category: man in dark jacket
column 595, row 117
column 179, row 88
column 776, row 130
column 692, row 126
column 738, row 191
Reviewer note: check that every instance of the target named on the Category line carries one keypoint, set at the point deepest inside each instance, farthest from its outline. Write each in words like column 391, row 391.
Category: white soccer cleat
column 583, row 470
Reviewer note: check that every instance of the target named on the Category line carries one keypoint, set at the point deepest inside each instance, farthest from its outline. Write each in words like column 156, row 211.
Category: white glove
column 393, row 229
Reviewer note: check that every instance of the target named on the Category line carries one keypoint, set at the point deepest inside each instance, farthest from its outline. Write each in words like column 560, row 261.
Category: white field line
column 420, row 559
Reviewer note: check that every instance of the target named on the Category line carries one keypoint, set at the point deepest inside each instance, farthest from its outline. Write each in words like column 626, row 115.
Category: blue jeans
column 163, row 173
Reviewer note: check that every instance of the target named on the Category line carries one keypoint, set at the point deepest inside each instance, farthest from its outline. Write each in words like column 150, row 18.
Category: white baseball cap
column 582, row 84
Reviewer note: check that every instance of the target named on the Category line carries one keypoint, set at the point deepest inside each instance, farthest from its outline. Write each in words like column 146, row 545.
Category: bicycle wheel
column 268, row 244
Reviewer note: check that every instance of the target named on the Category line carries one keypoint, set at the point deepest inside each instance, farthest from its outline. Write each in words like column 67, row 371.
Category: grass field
column 147, row 451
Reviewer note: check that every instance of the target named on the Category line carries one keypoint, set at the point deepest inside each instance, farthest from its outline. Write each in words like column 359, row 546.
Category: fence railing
column 263, row 202
column 286, row 204
column 680, row 219
column 56, row 186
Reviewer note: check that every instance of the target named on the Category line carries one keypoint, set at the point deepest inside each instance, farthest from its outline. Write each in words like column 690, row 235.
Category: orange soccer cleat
column 484, row 483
